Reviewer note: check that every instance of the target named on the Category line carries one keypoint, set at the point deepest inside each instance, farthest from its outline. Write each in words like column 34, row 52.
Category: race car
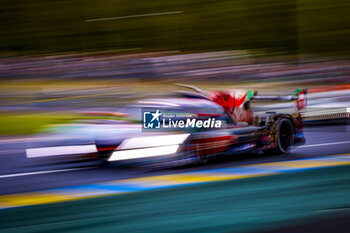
column 239, row 129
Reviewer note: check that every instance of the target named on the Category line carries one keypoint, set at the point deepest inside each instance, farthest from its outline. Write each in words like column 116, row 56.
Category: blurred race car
column 240, row 129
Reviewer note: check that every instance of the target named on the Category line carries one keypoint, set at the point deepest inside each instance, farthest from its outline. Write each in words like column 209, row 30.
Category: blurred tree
column 304, row 26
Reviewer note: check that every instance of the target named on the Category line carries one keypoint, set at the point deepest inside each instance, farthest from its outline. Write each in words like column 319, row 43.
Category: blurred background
column 59, row 58
column 64, row 55
column 294, row 27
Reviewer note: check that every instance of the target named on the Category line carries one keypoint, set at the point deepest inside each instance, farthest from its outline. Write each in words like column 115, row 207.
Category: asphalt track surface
column 305, row 201
column 19, row 174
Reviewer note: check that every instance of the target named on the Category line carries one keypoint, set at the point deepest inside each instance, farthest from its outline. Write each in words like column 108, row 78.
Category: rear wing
column 299, row 96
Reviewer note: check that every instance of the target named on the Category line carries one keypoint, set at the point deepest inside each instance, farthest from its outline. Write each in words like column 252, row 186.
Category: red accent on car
column 228, row 100
column 106, row 148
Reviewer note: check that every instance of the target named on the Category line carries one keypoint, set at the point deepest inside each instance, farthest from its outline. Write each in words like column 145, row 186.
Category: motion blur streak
column 60, row 150
column 134, row 16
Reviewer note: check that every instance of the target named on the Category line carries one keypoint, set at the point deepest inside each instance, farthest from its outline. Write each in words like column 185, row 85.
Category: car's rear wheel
column 283, row 135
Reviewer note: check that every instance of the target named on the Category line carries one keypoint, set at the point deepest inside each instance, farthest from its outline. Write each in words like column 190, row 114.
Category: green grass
column 28, row 123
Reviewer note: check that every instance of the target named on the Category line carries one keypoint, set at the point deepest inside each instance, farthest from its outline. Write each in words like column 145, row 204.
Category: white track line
column 325, row 144
column 40, row 172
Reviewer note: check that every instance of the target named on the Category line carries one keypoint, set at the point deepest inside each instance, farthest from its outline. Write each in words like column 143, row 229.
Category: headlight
column 151, row 146
column 143, row 153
